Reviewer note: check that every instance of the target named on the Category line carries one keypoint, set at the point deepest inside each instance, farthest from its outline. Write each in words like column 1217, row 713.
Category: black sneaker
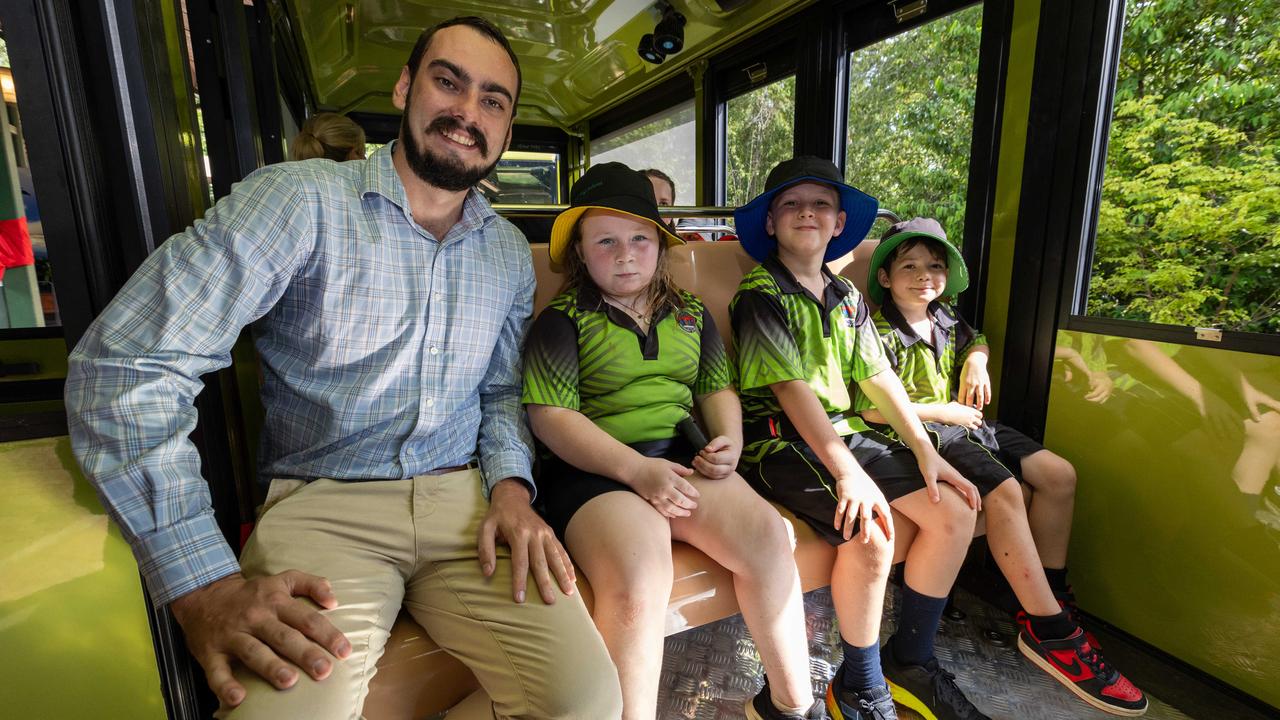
column 761, row 707
column 927, row 689
column 873, row 704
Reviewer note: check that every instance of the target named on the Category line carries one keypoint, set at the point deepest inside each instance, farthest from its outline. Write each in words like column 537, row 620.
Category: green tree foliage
column 911, row 119
column 760, row 133
column 1187, row 231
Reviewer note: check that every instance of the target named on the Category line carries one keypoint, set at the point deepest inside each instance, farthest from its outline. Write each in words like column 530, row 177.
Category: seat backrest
column 710, row 270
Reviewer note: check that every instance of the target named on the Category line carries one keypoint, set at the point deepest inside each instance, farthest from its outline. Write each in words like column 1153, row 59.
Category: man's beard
column 444, row 171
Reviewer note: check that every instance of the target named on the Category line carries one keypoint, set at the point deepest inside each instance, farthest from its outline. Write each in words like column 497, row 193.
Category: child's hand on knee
column 859, row 503
column 663, row 484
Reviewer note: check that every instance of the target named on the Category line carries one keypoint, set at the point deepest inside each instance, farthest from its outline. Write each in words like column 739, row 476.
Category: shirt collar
column 380, row 178
column 590, row 300
column 943, row 321
column 787, row 282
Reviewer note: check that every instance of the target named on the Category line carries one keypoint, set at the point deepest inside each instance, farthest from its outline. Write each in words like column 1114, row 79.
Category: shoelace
column 950, row 693
column 868, row 710
column 1096, row 663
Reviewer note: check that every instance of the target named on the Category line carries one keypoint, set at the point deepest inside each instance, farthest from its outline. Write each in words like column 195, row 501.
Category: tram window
column 27, row 297
column 1189, row 208
column 759, row 133
column 911, row 99
column 666, row 141
column 524, row 178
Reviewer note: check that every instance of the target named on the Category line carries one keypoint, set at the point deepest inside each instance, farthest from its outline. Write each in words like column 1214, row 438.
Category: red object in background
column 15, row 244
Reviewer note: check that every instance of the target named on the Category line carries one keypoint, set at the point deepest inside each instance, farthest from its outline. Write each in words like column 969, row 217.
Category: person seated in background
column 664, row 190
column 613, row 368
column 328, row 135
column 942, row 363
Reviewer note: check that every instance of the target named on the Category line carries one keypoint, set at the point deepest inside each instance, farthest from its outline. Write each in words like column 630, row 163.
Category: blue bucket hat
column 859, row 208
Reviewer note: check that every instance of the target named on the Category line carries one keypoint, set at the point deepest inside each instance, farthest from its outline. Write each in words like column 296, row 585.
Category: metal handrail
column 677, row 211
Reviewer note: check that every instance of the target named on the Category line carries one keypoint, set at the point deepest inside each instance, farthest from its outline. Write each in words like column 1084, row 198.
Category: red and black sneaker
column 1079, row 666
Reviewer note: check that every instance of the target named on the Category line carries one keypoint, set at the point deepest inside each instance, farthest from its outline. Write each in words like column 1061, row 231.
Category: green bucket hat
column 957, row 274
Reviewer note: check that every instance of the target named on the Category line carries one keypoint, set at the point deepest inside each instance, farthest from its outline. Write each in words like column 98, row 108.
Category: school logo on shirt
column 687, row 322
column 849, row 318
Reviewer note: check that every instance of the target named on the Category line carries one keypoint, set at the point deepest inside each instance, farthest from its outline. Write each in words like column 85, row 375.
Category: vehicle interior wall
column 1177, row 531
column 74, row 629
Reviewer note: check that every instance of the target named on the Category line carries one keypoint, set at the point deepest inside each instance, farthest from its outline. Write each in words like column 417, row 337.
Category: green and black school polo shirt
column 782, row 332
column 929, row 369
column 587, row 355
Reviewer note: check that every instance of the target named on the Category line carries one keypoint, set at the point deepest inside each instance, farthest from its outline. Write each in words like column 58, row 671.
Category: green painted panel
column 1177, row 528
column 49, row 353
column 73, row 623
column 1013, row 147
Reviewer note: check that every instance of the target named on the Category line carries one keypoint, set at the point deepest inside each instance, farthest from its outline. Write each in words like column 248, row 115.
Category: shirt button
column 439, row 296
column 435, row 350
column 431, row 402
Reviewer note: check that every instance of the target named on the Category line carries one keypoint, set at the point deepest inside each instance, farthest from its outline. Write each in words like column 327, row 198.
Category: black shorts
column 564, row 489
column 1013, row 447
column 796, row 479
column 974, row 453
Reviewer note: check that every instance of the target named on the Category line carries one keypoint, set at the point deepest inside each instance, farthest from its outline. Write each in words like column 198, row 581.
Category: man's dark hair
column 478, row 24
column 656, row 173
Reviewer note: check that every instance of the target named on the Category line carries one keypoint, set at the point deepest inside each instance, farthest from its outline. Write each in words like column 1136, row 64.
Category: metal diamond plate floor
column 710, row 671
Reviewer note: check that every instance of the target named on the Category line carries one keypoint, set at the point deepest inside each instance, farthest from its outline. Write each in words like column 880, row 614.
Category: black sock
column 1057, row 579
column 1052, row 627
column 917, row 627
column 861, row 667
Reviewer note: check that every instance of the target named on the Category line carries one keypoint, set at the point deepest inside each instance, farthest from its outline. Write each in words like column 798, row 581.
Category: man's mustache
column 450, row 124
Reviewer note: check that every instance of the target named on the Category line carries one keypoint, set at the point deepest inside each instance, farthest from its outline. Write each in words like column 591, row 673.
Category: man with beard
column 388, row 303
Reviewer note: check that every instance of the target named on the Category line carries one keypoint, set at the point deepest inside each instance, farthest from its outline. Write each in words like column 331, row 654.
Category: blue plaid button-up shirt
column 385, row 353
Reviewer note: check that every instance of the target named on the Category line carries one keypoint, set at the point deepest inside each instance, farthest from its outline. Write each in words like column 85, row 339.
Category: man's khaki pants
column 414, row 543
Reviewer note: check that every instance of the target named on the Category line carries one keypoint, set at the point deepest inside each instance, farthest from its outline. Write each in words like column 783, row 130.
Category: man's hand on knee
column 534, row 546
column 259, row 623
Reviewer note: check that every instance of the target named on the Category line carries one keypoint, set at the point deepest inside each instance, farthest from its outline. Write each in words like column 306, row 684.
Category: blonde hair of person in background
column 328, row 135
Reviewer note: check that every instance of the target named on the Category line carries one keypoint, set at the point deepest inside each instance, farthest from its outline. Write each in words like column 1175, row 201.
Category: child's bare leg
column 945, row 529
column 740, row 530
column 624, row 547
column 1053, row 481
column 858, row 582
column 1009, row 536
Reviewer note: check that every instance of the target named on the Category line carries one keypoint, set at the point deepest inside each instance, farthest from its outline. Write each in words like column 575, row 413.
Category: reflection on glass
column 759, row 133
column 911, row 118
column 1178, row 531
column 524, row 178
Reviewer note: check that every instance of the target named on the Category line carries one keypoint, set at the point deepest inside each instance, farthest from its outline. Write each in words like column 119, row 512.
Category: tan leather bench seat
column 417, row 679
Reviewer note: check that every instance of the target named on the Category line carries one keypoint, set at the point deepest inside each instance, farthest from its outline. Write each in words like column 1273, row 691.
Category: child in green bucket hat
column 942, row 362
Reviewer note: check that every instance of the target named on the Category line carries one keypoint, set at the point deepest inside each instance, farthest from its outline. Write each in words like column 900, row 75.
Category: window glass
column 911, row 119
column 27, row 298
column 759, row 133
column 524, row 178
column 666, row 142
column 1187, row 226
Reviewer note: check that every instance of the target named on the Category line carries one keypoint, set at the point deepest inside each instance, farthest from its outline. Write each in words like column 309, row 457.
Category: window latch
column 1209, row 334
column 904, row 10
column 757, row 73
